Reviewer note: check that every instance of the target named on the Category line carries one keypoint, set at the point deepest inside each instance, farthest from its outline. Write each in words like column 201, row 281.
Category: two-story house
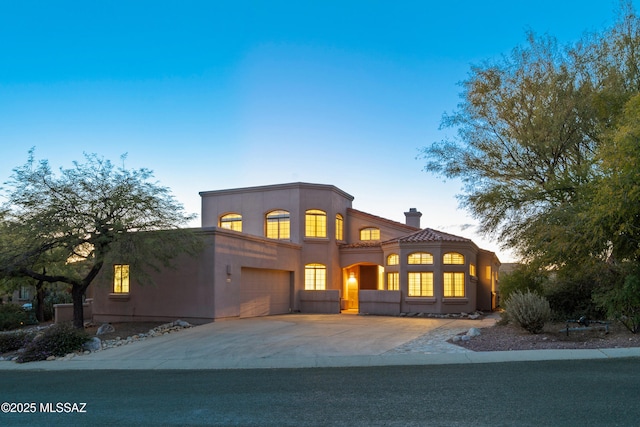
column 302, row 247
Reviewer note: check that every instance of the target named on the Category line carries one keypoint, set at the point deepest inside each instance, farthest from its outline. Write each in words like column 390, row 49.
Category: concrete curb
column 326, row 361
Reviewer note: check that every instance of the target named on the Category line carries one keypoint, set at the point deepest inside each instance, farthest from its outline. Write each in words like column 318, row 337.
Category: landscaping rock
column 105, row 328
column 473, row 332
column 94, row 344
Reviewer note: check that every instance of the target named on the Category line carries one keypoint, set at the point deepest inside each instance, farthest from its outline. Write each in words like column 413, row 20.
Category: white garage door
column 264, row 292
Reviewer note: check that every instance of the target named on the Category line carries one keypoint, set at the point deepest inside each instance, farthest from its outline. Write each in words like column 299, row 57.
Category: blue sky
column 213, row 95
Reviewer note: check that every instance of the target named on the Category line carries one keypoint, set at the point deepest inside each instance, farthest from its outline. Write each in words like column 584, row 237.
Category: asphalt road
column 562, row 393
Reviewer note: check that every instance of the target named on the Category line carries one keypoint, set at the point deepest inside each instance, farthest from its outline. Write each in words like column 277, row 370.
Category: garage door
column 264, row 292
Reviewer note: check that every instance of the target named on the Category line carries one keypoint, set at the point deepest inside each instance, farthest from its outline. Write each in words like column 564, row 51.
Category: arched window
column 278, row 225
column 393, row 259
column 453, row 258
column 315, row 223
column 420, row 258
column 315, row 277
column 231, row 221
column 339, row 227
column 370, row 233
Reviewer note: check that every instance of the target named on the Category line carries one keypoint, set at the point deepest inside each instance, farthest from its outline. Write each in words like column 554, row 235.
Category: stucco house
column 302, row 247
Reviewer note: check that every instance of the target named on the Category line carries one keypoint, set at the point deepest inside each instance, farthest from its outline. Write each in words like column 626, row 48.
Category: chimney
column 413, row 218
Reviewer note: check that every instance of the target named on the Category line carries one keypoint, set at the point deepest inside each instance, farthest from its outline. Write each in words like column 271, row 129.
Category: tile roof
column 360, row 245
column 429, row 235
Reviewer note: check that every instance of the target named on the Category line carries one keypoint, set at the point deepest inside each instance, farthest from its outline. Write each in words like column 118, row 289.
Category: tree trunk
column 77, row 293
column 40, row 301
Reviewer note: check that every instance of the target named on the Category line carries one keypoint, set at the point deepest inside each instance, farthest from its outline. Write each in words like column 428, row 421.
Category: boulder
column 94, row 344
column 473, row 332
column 105, row 328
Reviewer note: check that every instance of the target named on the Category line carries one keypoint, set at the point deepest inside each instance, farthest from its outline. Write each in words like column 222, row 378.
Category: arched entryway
column 359, row 277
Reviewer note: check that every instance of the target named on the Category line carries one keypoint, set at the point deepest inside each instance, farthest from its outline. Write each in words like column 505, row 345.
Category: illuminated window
column 453, row 258
column 339, row 227
column 370, row 233
column 453, row 285
column 487, row 272
column 420, row 258
column 393, row 281
column 278, row 225
column 231, row 221
column 121, row 279
column 315, row 223
column 472, row 270
column 315, row 277
column 421, row 284
column 393, row 259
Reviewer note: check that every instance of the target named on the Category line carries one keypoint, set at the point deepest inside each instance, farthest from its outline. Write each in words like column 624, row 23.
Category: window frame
column 393, row 281
column 369, row 234
column 450, row 287
column 282, row 220
column 315, row 224
column 233, row 219
column 425, row 258
column 424, row 287
column 312, row 280
column 120, row 281
column 339, row 227
column 453, row 258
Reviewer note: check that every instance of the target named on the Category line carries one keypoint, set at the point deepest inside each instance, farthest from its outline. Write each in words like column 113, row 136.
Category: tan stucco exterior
column 242, row 274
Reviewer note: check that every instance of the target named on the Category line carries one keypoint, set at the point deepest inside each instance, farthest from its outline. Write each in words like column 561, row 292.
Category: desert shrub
column 529, row 310
column 622, row 302
column 14, row 340
column 572, row 299
column 57, row 340
column 12, row 316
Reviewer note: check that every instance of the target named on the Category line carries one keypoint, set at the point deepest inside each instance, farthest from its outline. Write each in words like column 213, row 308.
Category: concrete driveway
column 306, row 341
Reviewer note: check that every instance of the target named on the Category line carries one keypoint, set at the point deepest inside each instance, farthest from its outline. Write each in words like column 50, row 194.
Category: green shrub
column 14, row 340
column 622, row 302
column 529, row 310
column 57, row 340
column 12, row 317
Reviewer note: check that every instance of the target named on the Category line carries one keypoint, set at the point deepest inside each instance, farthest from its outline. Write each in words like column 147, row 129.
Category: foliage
column 547, row 149
column 14, row 341
column 522, row 279
column 88, row 216
column 12, row 316
column 621, row 301
column 58, row 340
column 53, row 297
column 529, row 310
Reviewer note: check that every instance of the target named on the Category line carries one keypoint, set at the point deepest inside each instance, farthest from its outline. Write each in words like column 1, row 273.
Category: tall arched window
column 278, row 225
column 453, row 258
column 339, row 227
column 315, row 223
column 420, row 258
column 231, row 221
column 315, row 277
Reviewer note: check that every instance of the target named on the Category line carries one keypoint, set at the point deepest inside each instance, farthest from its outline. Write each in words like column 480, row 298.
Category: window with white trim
column 370, row 233
column 393, row 259
column 453, row 258
column 393, row 281
column 339, row 227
